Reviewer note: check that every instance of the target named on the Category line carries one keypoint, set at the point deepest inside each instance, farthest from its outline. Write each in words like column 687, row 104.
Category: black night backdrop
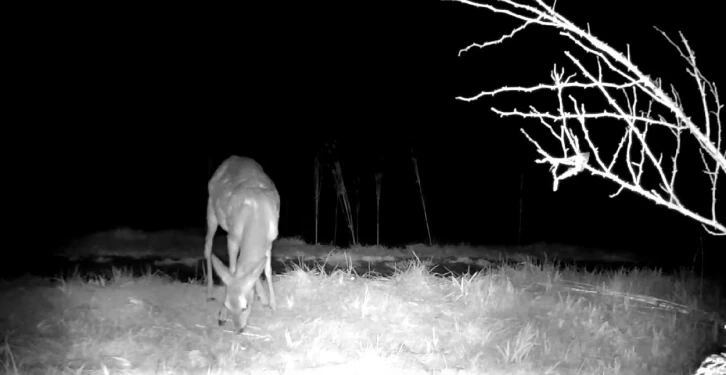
column 122, row 115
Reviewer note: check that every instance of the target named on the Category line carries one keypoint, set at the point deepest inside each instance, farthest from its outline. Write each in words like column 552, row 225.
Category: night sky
column 124, row 113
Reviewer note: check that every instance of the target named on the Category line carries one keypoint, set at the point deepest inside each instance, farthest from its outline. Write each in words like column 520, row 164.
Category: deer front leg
column 222, row 316
column 261, row 293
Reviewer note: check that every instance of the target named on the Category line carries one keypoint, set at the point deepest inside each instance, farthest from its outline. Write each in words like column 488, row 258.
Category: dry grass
column 525, row 319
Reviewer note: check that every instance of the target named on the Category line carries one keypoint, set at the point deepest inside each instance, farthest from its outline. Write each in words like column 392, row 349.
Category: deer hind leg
column 268, row 276
column 212, row 224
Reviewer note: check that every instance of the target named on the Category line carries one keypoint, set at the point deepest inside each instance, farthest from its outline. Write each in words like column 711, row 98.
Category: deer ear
column 257, row 269
column 249, row 278
column 222, row 270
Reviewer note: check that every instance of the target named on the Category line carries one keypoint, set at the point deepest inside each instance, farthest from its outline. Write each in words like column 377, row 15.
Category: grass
column 529, row 318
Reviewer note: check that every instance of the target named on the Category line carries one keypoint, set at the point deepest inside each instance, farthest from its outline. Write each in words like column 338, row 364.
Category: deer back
column 247, row 206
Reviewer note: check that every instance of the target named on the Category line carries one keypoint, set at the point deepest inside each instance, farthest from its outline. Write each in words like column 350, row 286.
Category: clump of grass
column 523, row 318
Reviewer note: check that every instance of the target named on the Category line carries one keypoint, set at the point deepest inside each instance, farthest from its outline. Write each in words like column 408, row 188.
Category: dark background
column 121, row 115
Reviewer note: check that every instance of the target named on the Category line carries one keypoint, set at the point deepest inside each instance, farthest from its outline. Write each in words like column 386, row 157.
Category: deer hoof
column 221, row 317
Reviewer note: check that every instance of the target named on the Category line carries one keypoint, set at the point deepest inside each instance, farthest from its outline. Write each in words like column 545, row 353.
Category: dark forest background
column 120, row 115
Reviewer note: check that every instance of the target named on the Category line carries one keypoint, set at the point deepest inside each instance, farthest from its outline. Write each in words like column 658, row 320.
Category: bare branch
column 667, row 113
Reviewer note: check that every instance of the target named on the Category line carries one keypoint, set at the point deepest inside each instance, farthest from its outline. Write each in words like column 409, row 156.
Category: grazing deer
column 243, row 201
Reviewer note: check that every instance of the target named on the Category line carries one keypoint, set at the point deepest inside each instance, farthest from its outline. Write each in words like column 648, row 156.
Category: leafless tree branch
column 634, row 147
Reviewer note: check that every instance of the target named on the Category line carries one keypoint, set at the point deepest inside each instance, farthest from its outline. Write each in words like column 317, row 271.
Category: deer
column 243, row 201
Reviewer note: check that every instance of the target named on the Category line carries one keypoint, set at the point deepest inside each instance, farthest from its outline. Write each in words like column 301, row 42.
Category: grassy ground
column 513, row 319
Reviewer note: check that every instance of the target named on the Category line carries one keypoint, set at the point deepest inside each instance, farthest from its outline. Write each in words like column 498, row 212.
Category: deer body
column 243, row 201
